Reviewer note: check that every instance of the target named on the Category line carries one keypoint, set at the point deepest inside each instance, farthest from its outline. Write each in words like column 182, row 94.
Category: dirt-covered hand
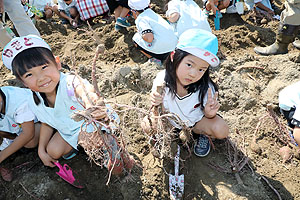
column 156, row 98
column 214, row 8
column 212, row 105
column 47, row 159
column 100, row 113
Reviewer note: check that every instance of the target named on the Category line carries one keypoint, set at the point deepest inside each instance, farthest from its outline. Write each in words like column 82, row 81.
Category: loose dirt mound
column 247, row 82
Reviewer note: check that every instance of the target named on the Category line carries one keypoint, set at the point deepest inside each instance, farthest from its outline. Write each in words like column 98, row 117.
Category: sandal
column 70, row 155
column 6, row 174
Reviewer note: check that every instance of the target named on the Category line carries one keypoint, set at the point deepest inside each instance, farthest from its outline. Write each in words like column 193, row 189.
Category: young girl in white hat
column 189, row 91
column 53, row 96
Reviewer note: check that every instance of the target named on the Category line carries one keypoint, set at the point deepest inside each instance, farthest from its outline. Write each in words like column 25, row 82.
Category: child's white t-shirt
column 187, row 108
column 191, row 16
column 164, row 38
column 40, row 4
column 66, row 103
column 289, row 97
column 17, row 110
column 59, row 117
column 63, row 6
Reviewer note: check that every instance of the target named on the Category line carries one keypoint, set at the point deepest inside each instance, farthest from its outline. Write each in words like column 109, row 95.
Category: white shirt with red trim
column 59, row 117
column 187, row 108
column 66, row 103
column 17, row 110
column 164, row 40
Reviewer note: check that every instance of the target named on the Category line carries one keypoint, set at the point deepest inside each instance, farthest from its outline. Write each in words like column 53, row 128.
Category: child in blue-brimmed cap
column 189, row 91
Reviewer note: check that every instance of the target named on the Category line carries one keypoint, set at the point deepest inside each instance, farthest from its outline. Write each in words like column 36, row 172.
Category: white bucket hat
column 200, row 43
column 19, row 44
column 138, row 4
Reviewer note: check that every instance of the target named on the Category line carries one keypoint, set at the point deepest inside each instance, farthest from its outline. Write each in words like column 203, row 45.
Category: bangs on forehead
column 30, row 58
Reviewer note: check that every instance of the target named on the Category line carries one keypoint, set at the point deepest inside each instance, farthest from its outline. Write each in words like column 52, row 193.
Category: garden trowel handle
column 176, row 162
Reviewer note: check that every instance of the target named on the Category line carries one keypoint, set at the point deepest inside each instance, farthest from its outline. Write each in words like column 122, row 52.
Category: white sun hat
column 19, row 44
column 138, row 4
column 200, row 43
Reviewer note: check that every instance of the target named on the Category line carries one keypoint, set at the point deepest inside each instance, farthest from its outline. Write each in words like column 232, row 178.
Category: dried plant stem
column 28, row 192
column 246, row 67
column 268, row 183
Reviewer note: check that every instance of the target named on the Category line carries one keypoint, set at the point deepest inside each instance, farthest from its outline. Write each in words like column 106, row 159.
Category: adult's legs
column 288, row 29
column 286, row 35
column 19, row 18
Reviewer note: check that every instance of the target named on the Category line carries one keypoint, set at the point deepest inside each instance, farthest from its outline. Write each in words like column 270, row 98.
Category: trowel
column 176, row 182
column 66, row 173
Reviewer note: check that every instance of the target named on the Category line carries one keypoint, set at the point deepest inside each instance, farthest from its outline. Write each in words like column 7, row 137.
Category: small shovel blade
column 66, row 173
column 176, row 182
column 176, row 186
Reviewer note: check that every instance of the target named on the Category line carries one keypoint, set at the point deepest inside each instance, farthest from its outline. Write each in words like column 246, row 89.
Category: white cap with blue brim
column 19, row 44
column 200, row 43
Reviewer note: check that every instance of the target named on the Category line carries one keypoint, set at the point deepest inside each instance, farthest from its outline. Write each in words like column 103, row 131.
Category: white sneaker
column 5, row 143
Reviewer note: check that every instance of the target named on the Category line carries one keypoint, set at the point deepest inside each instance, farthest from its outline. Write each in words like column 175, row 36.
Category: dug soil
column 248, row 83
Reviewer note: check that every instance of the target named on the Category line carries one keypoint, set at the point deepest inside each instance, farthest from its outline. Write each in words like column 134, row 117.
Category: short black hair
column 30, row 58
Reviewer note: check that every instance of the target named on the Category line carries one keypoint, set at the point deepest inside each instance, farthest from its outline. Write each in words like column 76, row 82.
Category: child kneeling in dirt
column 54, row 97
column 189, row 91
column 214, row 5
column 17, row 127
column 155, row 37
column 184, row 15
column 68, row 12
column 289, row 103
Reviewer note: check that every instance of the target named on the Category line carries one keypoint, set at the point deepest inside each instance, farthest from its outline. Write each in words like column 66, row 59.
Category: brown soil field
column 247, row 84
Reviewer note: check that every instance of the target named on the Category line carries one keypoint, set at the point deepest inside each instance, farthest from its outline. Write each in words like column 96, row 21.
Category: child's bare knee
column 54, row 152
column 73, row 12
column 221, row 131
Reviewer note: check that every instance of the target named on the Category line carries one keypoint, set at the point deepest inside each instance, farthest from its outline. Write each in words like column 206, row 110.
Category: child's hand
column 156, row 98
column 226, row 3
column 47, row 7
column 212, row 105
column 100, row 113
column 214, row 8
column 46, row 159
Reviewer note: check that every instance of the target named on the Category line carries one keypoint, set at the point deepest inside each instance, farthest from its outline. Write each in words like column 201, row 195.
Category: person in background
column 46, row 8
column 289, row 104
column 120, row 9
column 20, row 19
column 186, row 14
column 68, row 12
column 288, row 30
column 214, row 5
column 155, row 37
